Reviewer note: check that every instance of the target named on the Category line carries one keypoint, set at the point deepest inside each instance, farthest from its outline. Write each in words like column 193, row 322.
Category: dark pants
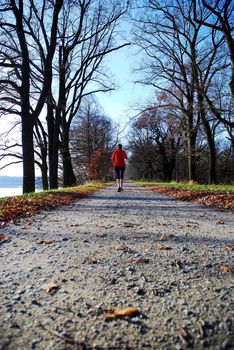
column 119, row 170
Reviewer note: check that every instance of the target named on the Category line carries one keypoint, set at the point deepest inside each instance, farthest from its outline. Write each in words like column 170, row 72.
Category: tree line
column 51, row 58
column 186, row 132
column 51, row 61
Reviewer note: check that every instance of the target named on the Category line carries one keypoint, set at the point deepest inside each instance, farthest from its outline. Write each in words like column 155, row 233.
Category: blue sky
column 120, row 104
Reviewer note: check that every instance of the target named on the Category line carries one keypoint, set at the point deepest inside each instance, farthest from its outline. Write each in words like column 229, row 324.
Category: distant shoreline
column 11, row 181
column 13, row 185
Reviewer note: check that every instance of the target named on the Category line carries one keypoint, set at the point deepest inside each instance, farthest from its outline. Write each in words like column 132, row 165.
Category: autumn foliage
column 221, row 200
column 13, row 208
column 99, row 165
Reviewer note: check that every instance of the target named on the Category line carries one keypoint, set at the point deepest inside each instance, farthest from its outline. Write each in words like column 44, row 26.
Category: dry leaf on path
column 188, row 224
column 48, row 287
column 101, row 234
column 2, row 237
column 129, row 311
column 129, row 224
column 225, row 268
column 185, row 337
column 162, row 237
column 30, row 222
column 220, row 222
column 123, row 247
column 165, row 237
column 202, row 325
column 140, row 260
column 43, row 241
column 229, row 247
column 161, row 224
column 177, row 263
column 91, row 260
column 164, row 247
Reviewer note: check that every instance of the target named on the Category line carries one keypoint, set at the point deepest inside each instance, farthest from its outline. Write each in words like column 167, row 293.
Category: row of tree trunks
column 26, row 117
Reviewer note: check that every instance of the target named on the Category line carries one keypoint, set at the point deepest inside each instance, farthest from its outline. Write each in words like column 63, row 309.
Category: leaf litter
column 115, row 313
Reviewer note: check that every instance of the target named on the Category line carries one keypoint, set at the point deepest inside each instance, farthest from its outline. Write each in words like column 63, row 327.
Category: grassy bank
column 186, row 186
column 12, row 208
column 216, row 196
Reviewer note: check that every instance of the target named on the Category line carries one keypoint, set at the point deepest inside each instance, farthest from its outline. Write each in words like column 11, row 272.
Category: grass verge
column 194, row 187
column 13, row 208
column 216, row 196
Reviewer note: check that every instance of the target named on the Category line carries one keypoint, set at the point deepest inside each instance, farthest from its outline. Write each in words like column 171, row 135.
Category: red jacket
column 118, row 157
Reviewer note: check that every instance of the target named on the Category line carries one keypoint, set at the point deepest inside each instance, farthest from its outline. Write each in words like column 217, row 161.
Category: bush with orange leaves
column 99, row 167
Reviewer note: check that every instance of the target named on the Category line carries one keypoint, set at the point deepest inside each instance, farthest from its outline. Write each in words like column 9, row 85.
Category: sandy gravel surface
column 116, row 250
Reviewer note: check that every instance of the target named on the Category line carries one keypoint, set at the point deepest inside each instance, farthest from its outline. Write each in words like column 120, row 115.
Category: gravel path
column 62, row 271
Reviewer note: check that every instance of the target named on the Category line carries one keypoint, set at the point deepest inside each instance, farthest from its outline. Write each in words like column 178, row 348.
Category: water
column 10, row 191
column 12, row 185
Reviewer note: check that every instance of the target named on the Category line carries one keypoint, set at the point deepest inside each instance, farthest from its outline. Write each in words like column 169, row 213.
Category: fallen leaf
column 201, row 325
column 229, row 247
column 165, row 247
column 162, row 237
column 160, row 224
column 2, row 237
column 140, row 260
column 101, row 235
column 123, row 247
column 192, row 222
column 129, row 311
column 188, row 224
column 185, row 337
column 30, row 222
column 48, row 287
column 220, row 222
column 42, row 241
column 225, row 268
column 165, row 237
column 128, row 224
column 91, row 260
column 177, row 263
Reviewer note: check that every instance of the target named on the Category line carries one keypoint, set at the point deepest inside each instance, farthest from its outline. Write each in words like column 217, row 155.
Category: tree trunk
column 55, row 127
column 210, row 138
column 69, row 178
column 191, row 149
column 212, row 163
column 54, row 144
column 27, row 120
column 212, row 151
column 167, row 174
column 28, row 153
column 167, row 164
column 191, row 141
column 44, row 170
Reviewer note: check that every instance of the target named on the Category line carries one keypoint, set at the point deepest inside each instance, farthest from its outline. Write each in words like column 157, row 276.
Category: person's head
column 120, row 146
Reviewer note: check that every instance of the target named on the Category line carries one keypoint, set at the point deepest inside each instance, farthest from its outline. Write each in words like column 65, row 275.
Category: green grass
column 219, row 188
column 87, row 186
column 81, row 189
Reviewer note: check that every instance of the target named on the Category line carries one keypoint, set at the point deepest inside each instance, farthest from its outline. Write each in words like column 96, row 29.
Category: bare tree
column 155, row 139
column 81, row 34
column 90, row 131
column 85, row 40
column 17, row 52
column 182, row 60
column 220, row 17
column 169, row 41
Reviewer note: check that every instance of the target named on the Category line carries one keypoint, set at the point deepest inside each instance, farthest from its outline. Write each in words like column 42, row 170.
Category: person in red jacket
column 118, row 158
